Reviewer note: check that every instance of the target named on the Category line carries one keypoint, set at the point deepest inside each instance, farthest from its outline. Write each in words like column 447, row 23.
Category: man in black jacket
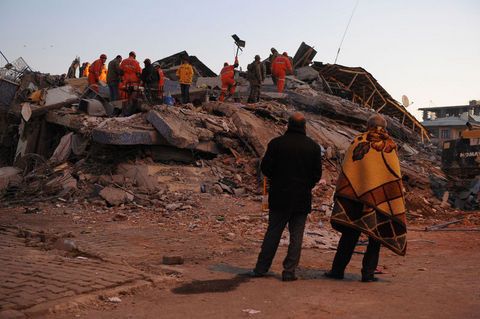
column 150, row 79
column 293, row 166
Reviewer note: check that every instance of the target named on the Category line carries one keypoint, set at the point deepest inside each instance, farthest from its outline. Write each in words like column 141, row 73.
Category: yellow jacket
column 185, row 74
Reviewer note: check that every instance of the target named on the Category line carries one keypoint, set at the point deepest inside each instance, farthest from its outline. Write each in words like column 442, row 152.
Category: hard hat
column 132, row 54
column 103, row 56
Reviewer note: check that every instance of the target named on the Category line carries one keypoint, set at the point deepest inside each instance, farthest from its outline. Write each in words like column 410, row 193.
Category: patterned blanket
column 369, row 193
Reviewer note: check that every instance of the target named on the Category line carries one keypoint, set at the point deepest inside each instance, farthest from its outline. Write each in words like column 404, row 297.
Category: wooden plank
column 350, row 71
column 381, row 107
column 351, row 82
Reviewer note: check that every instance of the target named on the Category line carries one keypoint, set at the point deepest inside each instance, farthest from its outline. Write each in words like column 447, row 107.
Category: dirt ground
column 219, row 241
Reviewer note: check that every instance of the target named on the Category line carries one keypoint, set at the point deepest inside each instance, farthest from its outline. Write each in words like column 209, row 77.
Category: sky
column 428, row 50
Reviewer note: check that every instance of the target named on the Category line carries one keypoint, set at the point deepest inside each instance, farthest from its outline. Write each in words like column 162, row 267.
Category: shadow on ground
column 207, row 286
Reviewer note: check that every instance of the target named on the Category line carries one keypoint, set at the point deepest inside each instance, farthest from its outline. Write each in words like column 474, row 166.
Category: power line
column 345, row 33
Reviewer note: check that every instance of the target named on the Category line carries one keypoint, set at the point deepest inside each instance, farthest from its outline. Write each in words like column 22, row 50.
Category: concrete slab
column 59, row 95
column 177, row 131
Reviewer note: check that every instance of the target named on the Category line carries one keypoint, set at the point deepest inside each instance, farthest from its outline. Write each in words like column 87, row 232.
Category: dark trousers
column 277, row 220
column 185, row 93
column 254, row 96
column 345, row 249
column 114, row 95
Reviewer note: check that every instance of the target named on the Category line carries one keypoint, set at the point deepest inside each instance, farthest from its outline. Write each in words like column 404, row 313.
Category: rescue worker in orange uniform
column 94, row 72
column 280, row 67
column 86, row 70
column 131, row 74
column 228, row 82
column 161, row 81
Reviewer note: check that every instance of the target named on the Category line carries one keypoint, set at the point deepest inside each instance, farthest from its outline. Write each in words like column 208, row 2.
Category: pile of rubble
column 166, row 157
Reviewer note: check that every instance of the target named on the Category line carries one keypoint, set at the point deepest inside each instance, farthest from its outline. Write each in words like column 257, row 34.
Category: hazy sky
column 426, row 49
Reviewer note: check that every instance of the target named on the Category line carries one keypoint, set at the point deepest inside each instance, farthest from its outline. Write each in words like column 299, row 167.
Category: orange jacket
column 95, row 70
column 161, row 78
column 227, row 74
column 281, row 65
column 131, row 70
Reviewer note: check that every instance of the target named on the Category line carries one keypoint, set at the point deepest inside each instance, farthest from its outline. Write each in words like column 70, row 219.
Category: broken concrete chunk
column 9, row 176
column 306, row 73
column 114, row 196
column 59, row 95
column 92, row 107
column 175, row 130
column 63, row 150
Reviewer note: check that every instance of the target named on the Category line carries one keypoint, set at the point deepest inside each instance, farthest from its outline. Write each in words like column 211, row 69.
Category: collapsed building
column 69, row 143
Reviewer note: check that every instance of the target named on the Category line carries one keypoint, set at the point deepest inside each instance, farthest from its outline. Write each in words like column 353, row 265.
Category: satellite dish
column 405, row 101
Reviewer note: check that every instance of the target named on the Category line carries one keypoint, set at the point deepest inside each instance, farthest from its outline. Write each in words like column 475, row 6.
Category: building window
column 444, row 133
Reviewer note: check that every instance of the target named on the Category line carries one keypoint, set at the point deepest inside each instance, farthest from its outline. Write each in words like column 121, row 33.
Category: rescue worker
column 149, row 78
column 131, row 73
column 280, row 67
column 82, row 68
column 86, row 70
column 227, row 75
column 161, row 81
column 271, row 58
column 114, row 76
column 255, row 76
column 95, row 70
column 72, row 70
column 185, row 77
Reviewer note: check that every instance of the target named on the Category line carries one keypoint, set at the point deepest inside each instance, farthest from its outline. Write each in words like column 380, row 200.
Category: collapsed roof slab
column 176, row 59
column 367, row 92
column 303, row 56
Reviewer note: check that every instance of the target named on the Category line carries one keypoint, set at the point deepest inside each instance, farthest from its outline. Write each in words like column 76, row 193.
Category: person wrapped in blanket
column 369, row 199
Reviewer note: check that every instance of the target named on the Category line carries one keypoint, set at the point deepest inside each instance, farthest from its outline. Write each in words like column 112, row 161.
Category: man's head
column 147, row 62
column 274, row 51
column 225, row 64
column 296, row 121
column 257, row 58
column 118, row 57
column 285, row 54
column 103, row 57
column 132, row 54
column 376, row 120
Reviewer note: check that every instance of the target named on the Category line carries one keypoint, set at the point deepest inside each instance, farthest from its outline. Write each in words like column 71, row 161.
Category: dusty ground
column 219, row 240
